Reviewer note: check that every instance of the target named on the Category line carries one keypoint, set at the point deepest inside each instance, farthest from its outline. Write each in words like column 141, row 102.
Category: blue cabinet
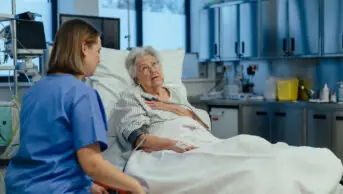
column 248, row 29
column 332, row 27
column 208, row 34
column 304, row 34
column 289, row 28
column 238, row 30
column 228, row 25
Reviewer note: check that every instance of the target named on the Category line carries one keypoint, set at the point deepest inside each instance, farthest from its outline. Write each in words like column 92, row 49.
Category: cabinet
column 319, row 128
column 289, row 28
column 256, row 121
column 238, row 30
column 288, row 125
column 332, row 27
column 337, row 134
column 204, row 35
column 208, row 36
column 224, row 122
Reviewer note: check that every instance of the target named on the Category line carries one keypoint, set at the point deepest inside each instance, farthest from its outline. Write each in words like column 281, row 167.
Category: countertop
column 295, row 104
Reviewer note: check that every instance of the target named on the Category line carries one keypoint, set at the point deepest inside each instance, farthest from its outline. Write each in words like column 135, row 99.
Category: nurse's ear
column 84, row 48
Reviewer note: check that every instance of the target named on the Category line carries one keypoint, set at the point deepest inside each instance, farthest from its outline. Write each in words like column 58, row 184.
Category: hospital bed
column 111, row 78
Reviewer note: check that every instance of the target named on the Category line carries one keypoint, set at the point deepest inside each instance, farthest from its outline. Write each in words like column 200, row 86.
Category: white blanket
column 243, row 164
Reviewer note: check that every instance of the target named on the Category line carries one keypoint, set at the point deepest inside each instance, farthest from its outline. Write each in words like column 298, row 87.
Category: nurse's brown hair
column 66, row 54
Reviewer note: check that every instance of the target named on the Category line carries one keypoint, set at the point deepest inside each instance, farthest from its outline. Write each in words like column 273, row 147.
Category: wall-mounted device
column 31, row 40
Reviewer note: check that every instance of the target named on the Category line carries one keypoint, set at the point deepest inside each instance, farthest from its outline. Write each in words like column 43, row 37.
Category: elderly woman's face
column 149, row 73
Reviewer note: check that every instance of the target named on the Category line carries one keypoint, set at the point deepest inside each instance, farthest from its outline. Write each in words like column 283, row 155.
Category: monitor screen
column 108, row 27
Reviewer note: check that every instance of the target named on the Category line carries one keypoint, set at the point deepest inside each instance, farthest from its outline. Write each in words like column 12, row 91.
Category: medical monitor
column 30, row 39
column 108, row 27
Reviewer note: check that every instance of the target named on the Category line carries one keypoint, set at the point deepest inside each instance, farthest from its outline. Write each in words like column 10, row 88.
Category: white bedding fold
column 243, row 164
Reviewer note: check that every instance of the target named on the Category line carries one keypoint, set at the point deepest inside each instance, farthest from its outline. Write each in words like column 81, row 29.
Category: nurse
column 63, row 127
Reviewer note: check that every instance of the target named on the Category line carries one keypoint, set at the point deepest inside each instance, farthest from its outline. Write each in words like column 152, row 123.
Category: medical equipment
column 30, row 39
column 30, row 43
column 135, row 149
column 9, row 125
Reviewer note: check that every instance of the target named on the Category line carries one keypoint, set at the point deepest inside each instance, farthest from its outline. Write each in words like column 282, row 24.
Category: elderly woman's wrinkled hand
column 181, row 147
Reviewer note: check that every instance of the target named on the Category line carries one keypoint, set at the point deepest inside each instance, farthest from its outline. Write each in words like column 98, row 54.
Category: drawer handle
column 319, row 116
column 284, row 44
column 261, row 113
column 236, row 47
column 280, row 114
column 339, row 118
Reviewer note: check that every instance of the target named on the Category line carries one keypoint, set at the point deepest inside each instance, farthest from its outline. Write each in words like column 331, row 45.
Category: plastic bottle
column 325, row 93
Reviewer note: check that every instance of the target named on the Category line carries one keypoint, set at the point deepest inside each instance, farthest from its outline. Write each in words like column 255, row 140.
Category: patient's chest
column 160, row 115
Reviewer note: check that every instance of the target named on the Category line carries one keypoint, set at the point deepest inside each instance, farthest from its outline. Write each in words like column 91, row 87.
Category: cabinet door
column 248, row 29
column 287, row 126
column 333, row 26
column 224, row 122
column 337, row 134
column 205, row 41
column 215, row 32
column 274, row 28
column 304, row 27
column 319, row 128
column 229, row 43
column 255, row 121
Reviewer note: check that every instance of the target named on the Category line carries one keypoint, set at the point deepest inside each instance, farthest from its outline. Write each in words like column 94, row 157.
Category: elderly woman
column 165, row 143
column 150, row 103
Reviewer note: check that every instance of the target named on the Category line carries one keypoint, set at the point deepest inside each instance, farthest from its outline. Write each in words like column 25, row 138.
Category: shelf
column 7, row 67
column 6, row 17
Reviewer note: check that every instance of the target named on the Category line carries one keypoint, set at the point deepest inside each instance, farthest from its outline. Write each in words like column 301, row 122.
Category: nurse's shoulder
column 63, row 86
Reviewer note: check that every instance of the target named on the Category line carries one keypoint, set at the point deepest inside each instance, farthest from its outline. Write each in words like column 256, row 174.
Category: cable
column 217, row 83
column 9, row 80
column 27, row 77
column 136, row 148
column 15, row 135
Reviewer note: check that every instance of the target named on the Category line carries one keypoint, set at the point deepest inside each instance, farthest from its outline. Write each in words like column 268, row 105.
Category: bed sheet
column 243, row 164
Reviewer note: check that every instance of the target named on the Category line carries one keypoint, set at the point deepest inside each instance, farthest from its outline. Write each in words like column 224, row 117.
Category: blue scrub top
column 59, row 115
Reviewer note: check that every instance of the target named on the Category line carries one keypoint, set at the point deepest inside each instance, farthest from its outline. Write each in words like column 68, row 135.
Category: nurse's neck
column 79, row 77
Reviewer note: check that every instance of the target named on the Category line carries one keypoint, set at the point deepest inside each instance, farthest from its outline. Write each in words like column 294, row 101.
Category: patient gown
column 243, row 164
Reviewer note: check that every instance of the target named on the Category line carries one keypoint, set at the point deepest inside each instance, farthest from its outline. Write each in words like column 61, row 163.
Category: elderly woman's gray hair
column 135, row 55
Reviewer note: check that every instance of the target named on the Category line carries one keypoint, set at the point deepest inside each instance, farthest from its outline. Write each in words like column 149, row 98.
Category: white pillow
column 111, row 76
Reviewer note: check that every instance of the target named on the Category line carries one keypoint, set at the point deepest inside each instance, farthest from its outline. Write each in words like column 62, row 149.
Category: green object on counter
column 5, row 125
